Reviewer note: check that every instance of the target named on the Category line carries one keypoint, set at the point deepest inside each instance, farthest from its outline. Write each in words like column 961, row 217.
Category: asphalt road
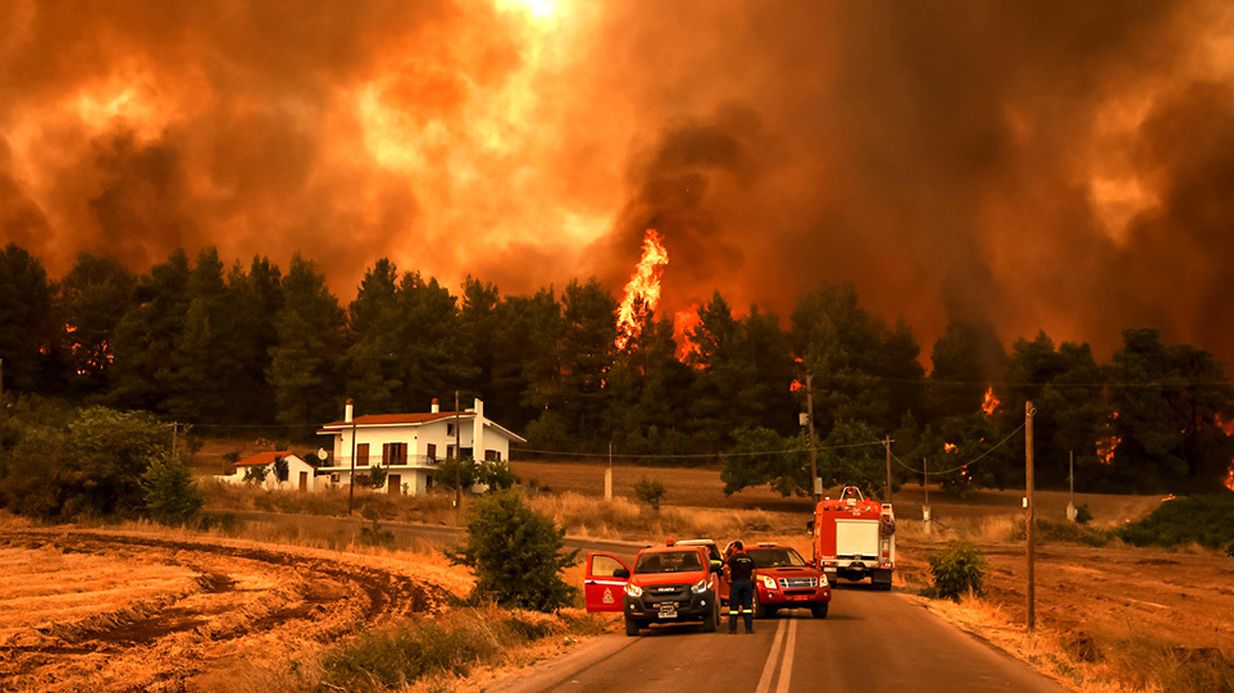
column 871, row 641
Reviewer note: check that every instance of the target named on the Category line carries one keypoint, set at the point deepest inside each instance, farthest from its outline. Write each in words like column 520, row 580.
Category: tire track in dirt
column 280, row 602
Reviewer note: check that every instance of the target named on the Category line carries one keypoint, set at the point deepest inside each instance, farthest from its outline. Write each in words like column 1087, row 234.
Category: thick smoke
column 1064, row 166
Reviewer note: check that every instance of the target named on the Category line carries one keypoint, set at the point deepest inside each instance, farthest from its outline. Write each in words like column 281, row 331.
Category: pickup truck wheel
column 760, row 611
column 710, row 620
column 820, row 611
column 631, row 627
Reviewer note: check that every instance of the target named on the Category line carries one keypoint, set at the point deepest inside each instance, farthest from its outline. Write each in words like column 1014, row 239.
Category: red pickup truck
column 669, row 584
column 785, row 580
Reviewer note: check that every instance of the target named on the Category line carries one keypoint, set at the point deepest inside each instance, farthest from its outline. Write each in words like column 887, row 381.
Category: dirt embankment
column 130, row 611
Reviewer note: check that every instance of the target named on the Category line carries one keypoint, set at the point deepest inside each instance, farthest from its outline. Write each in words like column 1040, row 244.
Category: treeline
column 202, row 342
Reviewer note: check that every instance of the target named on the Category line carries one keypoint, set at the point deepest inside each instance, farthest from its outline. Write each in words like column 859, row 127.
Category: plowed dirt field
column 102, row 610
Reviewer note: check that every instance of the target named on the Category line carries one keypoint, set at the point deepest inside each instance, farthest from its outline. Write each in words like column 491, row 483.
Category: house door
column 393, row 484
column 303, row 481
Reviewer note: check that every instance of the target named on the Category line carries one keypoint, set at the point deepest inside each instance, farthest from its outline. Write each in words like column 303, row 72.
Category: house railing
column 376, row 461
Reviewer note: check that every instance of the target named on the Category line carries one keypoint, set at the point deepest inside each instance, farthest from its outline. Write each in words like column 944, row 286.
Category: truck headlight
column 634, row 590
column 768, row 581
column 699, row 587
column 822, row 580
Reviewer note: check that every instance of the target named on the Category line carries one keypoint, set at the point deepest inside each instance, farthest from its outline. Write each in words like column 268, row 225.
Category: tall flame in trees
column 1107, row 445
column 990, row 404
column 643, row 289
column 684, row 322
column 1228, row 427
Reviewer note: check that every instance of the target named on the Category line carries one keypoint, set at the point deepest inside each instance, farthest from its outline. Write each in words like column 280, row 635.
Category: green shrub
column 1082, row 514
column 650, row 491
column 399, row 655
column 957, row 570
column 1052, row 531
column 57, row 466
column 171, row 497
column 1205, row 520
column 377, row 476
column 255, row 474
column 517, row 555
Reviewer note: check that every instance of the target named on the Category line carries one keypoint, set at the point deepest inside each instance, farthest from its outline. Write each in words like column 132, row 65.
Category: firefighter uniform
column 741, row 588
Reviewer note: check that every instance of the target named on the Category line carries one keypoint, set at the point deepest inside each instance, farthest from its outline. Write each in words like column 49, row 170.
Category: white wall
column 295, row 466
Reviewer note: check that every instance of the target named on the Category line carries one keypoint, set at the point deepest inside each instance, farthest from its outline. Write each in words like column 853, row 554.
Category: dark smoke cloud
column 1064, row 166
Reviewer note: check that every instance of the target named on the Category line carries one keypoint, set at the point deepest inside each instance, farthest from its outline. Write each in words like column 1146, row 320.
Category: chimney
column 477, row 432
column 347, row 411
column 436, row 407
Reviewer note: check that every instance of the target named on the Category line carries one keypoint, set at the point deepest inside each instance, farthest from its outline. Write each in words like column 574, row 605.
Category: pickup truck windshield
column 669, row 562
column 776, row 558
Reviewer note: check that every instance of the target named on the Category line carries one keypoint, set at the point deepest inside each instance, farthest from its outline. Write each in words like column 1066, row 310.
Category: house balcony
column 343, row 464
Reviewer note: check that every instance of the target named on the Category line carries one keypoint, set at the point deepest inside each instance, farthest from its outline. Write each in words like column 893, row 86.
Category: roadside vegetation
column 1204, row 520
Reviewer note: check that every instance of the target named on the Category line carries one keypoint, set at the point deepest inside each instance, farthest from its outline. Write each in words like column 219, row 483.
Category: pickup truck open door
column 605, row 582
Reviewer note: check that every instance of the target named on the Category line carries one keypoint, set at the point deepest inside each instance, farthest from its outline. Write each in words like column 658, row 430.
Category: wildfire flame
column 643, row 290
column 1107, row 445
column 796, row 386
column 990, row 404
column 950, row 447
column 684, row 322
column 1228, row 427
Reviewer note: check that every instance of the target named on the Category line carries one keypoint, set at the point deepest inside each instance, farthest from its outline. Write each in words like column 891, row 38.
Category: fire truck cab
column 668, row 584
column 854, row 538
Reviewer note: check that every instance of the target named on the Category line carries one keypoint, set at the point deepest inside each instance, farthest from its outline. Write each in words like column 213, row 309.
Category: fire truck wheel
column 631, row 627
column 820, row 611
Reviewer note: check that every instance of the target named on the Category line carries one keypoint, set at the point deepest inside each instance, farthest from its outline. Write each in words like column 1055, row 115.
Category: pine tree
column 304, row 364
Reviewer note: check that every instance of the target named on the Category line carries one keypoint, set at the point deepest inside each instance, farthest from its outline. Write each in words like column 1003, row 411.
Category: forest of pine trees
column 198, row 340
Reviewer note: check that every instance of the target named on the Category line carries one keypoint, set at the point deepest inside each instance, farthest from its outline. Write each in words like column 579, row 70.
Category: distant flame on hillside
column 1228, row 427
column 642, row 292
column 950, row 447
column 1107, row 445
column 990, row 404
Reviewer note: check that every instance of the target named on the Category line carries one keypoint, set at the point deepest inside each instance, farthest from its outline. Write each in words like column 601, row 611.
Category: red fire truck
column 854, row 538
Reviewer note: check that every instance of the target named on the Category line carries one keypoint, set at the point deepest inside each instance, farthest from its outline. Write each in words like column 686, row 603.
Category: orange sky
column 1059, row 167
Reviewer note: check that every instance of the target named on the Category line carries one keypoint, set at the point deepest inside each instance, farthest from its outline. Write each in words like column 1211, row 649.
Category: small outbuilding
column 277, row 469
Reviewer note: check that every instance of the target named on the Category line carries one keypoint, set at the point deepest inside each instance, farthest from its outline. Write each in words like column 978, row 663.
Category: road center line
column 769, row 668
column 786, row 667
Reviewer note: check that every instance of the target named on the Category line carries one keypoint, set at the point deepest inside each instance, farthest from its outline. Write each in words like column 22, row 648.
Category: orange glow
column 1169, row 498
column 796, row 386
column 1228, row 427
column 990, row 404
column 1107, row 445
column 950, row 447
column 642, row 292
column 684, row 323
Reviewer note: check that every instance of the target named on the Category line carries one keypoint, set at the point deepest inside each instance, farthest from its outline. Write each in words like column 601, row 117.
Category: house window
column 449, row 429
column 394, row 453
column 492, row 455
column 362, row 455
column 430, row 451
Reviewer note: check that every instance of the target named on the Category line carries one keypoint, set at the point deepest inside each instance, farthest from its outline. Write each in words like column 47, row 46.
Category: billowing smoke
column 1066, row 166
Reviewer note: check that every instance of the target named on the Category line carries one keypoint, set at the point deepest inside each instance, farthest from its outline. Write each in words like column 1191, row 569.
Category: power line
column 1013, row 383
column 976, row 459
column 695, row 455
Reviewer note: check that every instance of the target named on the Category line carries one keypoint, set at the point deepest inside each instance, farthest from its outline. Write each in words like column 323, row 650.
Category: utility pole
column 608, row 474
column 887, row 445
column 1029, row 411
column 814, row 490
column 458, row 466
column 1, row 380
column 351, row 486
column 175, row 428
column 1071, row 485
column 925, row 486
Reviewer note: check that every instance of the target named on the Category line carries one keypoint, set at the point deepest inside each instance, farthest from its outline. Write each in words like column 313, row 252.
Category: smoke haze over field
column 1066, row 166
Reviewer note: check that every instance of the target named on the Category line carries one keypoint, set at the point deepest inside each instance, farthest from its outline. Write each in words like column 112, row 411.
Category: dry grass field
column 159, row 610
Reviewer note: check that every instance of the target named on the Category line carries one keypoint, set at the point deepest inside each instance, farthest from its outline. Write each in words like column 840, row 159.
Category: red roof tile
column 414, row 418
column 261, row 459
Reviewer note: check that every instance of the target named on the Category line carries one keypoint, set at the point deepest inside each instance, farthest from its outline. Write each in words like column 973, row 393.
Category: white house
column 409, row 446
column 284, row 471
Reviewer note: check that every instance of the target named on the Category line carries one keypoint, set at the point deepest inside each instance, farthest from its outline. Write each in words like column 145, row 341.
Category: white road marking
column 769, row 668
column 786, row 667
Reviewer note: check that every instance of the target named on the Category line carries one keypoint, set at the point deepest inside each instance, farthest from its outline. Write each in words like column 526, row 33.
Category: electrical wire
column 976, row 459
column 692, row 455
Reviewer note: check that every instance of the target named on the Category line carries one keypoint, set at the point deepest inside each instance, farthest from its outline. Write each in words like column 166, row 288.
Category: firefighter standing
column 741, row 588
